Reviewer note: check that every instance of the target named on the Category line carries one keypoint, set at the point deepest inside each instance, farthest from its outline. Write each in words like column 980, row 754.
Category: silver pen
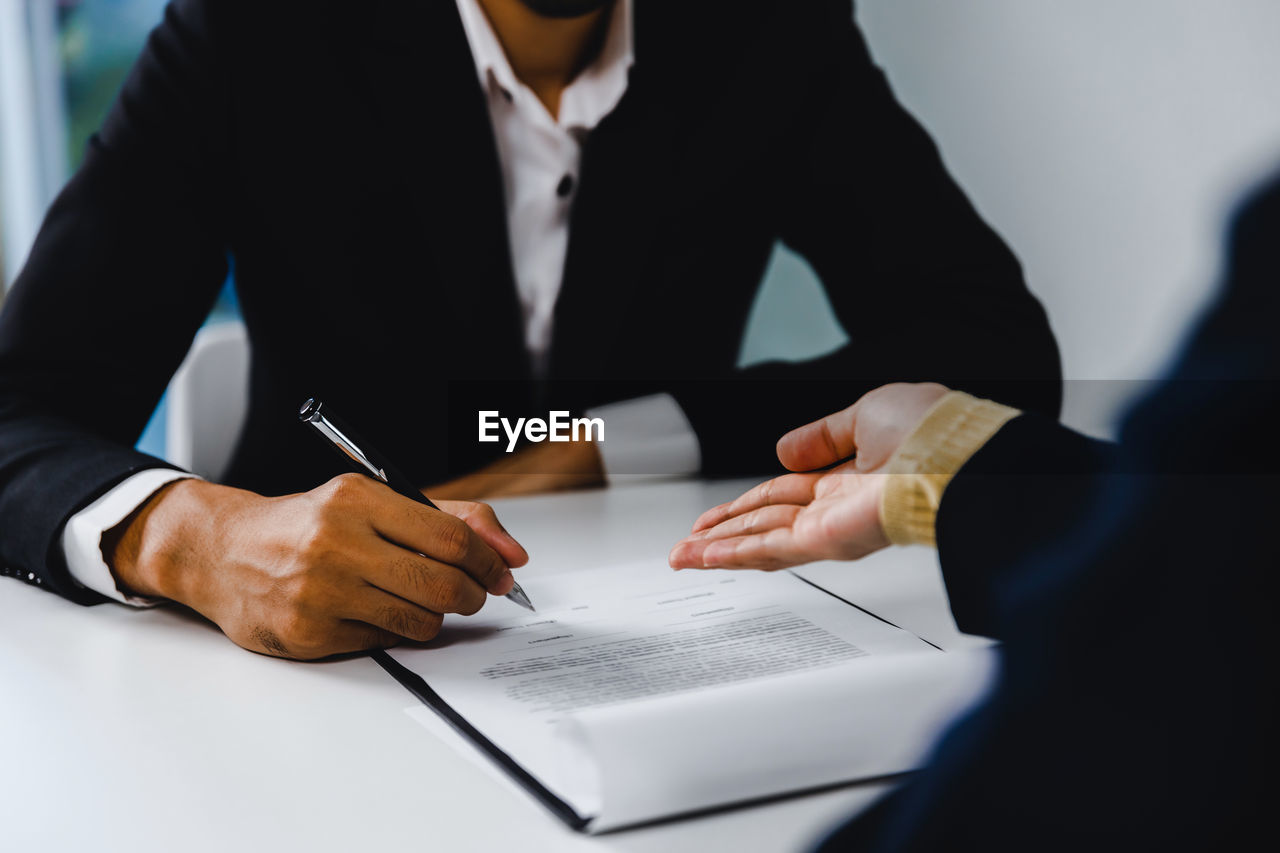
column 340, row 439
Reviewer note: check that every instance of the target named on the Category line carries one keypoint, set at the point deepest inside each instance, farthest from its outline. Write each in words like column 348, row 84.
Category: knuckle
column 493, row 570
column 397, row 620
column 291, row 626
column 417, row 626
column 471, row 605
column 350, row 482
column 344, row 489
column 430, row 627
column 447, row 594
column 308, row 583
column 302, row 635
column 452, row 541
column 497, row 569
column 411, row 575
column 313, row 590
column 474, row 510
column 316, row 546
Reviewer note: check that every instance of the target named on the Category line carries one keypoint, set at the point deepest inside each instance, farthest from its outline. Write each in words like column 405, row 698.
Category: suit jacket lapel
column 440, row 146
column 628, row 178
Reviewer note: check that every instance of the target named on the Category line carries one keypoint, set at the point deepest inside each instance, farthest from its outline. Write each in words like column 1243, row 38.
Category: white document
column 636, row 692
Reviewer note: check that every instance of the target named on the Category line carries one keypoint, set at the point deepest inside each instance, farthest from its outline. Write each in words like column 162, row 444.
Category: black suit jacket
column 342, row 155
column 1135, row 590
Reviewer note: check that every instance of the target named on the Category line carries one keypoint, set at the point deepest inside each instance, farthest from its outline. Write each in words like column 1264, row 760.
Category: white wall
column 1107, row 140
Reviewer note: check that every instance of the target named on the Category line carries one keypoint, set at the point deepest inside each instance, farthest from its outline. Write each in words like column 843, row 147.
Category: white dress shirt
column 540, row 156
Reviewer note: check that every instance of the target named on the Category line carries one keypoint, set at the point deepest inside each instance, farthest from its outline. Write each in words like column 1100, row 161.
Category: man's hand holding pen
column 346, row 567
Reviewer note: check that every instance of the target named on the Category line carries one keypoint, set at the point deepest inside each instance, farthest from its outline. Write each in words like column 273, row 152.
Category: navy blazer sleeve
column 1026, row 489
column 83, row 361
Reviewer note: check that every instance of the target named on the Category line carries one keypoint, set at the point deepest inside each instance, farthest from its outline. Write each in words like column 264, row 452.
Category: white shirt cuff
column 648, row 438
column 82, row 535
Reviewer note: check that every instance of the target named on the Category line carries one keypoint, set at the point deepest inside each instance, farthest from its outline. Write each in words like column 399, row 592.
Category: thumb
column 820, row 444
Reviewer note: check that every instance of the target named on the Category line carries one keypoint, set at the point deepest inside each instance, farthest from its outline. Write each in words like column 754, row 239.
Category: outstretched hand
column 820, row 512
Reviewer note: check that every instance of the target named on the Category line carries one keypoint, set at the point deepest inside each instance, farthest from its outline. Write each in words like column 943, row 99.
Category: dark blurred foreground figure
column 1133, row 588
column 442, row 207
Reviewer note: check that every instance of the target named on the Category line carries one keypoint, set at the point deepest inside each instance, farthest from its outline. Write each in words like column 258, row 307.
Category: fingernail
column 505, row 584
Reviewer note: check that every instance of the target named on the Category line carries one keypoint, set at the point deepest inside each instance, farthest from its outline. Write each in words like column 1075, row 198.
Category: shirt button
column 565, row 186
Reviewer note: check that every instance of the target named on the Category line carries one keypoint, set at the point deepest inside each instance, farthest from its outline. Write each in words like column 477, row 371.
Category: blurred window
column 62, row 63
column 98, row 41
column 65, row 63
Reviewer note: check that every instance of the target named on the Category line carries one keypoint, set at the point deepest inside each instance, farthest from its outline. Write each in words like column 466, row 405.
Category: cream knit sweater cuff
column 952, row 431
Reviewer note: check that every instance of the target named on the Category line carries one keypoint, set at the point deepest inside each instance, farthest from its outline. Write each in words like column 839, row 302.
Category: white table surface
column 148, row 730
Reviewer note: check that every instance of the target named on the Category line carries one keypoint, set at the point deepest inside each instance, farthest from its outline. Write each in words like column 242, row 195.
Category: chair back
column 209, row 400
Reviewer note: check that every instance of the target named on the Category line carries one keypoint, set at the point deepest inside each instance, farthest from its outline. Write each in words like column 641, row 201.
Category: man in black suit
column 438, row 208
column 1133, row 587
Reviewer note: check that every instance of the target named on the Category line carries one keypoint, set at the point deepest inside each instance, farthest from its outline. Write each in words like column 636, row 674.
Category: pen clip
column 310, row 413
